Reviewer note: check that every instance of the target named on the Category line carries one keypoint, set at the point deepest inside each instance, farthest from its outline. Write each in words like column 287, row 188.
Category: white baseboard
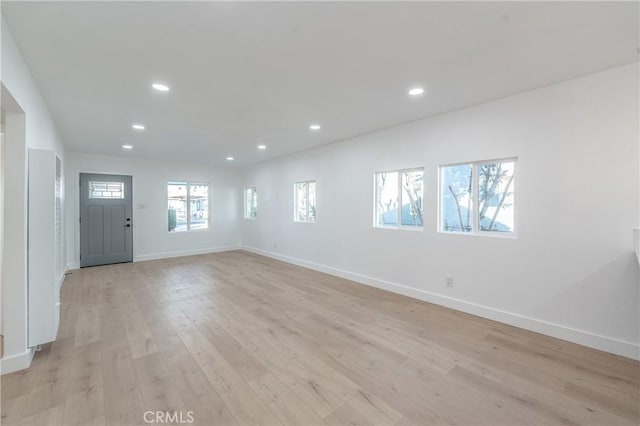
column 62, row 277
column 169, row 254
column 582, row 337
column 166, row 255
column 17, row 362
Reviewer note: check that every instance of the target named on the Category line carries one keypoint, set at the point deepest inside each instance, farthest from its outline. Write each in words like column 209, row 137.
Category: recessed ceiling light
column 416, row 91
column 127, row 146
column 160, row 87
column 230, row 158
column 262, row 147
column 137, row 126
column 314, row 127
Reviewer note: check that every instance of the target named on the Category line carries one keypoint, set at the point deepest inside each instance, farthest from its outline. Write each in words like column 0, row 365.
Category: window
column 188, row 206
column 305, row 201
column 250, row 203
column 399, row 198
column 112, row 190
column 478, row 197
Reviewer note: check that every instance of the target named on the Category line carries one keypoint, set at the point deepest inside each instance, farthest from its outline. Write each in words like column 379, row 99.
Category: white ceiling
column 242, row 74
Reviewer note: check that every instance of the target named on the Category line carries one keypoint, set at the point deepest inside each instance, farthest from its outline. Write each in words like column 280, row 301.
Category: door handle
column 128, row 225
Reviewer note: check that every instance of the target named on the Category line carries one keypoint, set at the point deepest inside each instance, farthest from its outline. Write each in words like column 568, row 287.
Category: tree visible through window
column 188, row 206
column 399, row 198
column 478, row 197
column 456, row 198
column 305, row 201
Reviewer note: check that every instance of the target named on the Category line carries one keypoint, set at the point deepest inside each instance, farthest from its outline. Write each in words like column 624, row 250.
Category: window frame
column 246, row 204
column 399, row 225
column 189, row 184
column 475, row 228
column 295, row 201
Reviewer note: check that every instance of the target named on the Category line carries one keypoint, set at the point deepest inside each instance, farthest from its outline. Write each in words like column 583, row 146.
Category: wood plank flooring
column 238, row 339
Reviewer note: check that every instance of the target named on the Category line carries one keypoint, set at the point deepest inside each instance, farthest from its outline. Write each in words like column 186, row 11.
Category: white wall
column 150, row 237
column 16, row 76
column 570, row 272
column 39, row 132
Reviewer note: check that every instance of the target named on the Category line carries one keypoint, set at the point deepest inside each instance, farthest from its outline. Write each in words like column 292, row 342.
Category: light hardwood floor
column 240, row 339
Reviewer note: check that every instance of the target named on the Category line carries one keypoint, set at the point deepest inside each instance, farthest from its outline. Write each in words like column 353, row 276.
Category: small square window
column 188, row 206
column 478, row 197
column 399, row 199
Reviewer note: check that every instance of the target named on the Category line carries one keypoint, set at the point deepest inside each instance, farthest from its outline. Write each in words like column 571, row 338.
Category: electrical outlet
column 449, row 281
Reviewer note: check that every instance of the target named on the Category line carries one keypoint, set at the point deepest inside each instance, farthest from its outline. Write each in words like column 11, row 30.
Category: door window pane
column 113, row 190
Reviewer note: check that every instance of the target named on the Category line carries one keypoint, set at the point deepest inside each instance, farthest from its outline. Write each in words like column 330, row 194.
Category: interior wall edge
column 582, row 337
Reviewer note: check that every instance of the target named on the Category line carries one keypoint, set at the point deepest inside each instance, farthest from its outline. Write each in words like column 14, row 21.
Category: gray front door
column 106, row 234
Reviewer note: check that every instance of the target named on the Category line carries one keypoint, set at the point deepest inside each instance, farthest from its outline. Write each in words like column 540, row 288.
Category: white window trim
column 475, row 230
column 399, row 226
column 246, row 210
column 295, row 201
column 188, row 185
